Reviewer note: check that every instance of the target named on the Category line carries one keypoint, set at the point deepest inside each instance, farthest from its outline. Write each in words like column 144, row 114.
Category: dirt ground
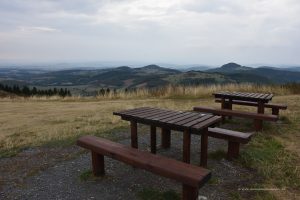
column 60, row 178
column 53, row 172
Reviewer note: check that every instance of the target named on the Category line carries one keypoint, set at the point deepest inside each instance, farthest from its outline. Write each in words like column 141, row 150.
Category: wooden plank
column 136, row 112
column 185, row 173
column 239, row 96
column 196, row 121
column 155, row 123
column 260, row 96
column 148, row 114
column 142, row 115
column 253, row 94
column 191, row 114
column 233, row 150
column 189, row 193
column 255, row 104
column 174, row 117
column 257, row 95
column 166, row 115
column 186, row 146
column 233, row 136
column 97, row 164
column 134, row 137
column 153, row 139
column 270, row 97
column 235, row 113
column 165, row 138
column 264, row 96
column 196, row 117
column 206, row 123
column 204, row 148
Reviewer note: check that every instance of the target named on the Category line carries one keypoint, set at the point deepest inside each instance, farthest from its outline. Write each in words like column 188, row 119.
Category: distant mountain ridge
column 270, row 74
column 147, row 76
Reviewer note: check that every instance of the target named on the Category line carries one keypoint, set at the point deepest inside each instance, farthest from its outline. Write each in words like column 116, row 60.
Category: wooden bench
column 226, row 112
column 192, row 177
column 275, row 107
column 234, row 139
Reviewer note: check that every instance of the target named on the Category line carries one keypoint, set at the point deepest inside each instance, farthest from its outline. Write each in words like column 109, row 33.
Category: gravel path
column 62, row 181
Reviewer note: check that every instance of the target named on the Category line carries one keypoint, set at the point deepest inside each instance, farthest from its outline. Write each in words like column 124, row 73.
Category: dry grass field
column 34, row 122
column 27, row 123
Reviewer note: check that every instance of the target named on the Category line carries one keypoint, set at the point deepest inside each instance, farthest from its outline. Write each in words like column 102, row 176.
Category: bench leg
column 165, row 138
column 189, row 193
column 223, row 106
column 186, row 146
column 258, row 124
column 275, row 111
column 134, row 138
column 229, row 106
column 98, row 164
column 233, row 150
column 153, row 139
column 261, row 110
column 204, row 146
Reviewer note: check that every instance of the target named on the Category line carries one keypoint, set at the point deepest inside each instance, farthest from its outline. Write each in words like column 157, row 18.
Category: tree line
column 27, row 91
column 114, row 91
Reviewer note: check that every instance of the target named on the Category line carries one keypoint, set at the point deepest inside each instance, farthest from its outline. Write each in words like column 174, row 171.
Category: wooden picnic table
column 228, row 98
column 259, row 98
column 187, row 122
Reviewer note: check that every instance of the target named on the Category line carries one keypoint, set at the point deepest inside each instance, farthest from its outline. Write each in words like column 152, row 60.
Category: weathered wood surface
column 244, row 96
column 234, row 139
column 187, row 122
column 235, row 113
column 247, row 103
column 169, row 119
column 234, row 136
column 275, row 107
column 192, row 177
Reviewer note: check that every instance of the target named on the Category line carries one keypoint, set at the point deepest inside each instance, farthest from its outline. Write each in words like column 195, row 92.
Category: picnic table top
column 173, row 120
column 245, row 96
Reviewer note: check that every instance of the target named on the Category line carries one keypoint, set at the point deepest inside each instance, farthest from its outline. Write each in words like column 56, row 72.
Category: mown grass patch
column 217, row 155
column 86, row 175
column 154, row 194
column 214, row 181
column 9, row 153
column 273, row 162
column 112, row 134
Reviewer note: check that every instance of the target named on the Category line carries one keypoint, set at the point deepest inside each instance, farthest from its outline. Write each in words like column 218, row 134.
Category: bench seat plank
column 233, row 136
column 248, row 103
column 234, row 139
column 187, row 174
column 243, row 114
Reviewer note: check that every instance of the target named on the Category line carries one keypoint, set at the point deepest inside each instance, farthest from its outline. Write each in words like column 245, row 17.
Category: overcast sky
column 210, row 32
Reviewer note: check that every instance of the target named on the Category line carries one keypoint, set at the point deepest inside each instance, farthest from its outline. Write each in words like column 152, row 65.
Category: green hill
column 147, row 76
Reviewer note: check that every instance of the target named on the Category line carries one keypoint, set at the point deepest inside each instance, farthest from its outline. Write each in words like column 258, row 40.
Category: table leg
column 223, row 106
column 97, row 164
column 204, row 147
column 189, row 193
column 233, row 150
column 186, row 146
column 134, row 138
column 261, row 110
column 153, row 139
column 229, row 106
column 165, row 138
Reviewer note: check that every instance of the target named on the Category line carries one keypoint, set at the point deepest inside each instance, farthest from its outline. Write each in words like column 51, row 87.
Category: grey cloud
column 186, row 31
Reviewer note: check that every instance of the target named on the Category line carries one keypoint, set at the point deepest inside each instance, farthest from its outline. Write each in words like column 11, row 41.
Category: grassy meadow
column 273, row 153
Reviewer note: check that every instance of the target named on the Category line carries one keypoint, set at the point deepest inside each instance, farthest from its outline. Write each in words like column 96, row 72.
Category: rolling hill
column 259, row 75
column 147, row 76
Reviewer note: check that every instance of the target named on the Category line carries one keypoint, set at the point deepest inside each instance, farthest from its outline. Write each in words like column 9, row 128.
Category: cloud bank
column 177, row 31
